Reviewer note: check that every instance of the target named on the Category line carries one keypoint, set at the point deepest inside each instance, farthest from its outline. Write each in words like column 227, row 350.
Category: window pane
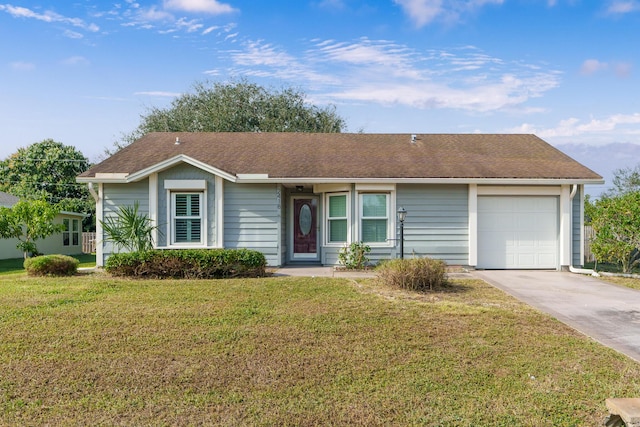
column 76, row 238
column 374, row 205
column 65, row 238
column 75, row 225
column 374, row 230
column 187, row 230
column 187, row 205
column 338, row 230
column 194, row 205
column 338, row 206
column 66, row 224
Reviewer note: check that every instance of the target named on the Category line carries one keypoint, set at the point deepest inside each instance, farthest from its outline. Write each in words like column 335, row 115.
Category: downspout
column 573, row 269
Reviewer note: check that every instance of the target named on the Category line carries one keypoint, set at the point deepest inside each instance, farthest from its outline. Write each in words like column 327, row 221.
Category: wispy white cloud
column 621, row 7
column 75, row 60
column 424, row 12
column 594, row 66
column 623, row 69
column 572, row 127
column 260, row 59
column 73, row 34
column 213, row 7
column 22, row 66
column 388, row 73
column 47, row 16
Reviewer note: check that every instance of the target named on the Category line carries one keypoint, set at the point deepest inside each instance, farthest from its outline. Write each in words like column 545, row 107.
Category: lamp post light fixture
column 402, row 215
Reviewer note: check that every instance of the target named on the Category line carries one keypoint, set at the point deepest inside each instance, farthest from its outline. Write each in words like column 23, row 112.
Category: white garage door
column 517, row 232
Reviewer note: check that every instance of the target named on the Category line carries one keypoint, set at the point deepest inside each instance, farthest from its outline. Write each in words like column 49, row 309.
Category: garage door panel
column 517, row 232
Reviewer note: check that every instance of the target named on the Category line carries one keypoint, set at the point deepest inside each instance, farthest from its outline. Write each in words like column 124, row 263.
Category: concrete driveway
column 607, row 313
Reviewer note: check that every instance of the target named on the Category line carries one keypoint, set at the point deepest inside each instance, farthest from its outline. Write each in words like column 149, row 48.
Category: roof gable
column 348, row 156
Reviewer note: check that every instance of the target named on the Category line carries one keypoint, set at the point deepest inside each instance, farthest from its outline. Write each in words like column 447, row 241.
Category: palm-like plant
column 129, row 229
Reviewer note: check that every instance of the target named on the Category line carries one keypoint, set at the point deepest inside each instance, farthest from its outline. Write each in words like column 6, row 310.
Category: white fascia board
column 479, row 181
column 166, row 164
column 95, row 180
column 69, row 213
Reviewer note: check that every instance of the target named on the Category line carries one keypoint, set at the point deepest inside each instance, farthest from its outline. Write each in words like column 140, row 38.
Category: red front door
column 305, row 230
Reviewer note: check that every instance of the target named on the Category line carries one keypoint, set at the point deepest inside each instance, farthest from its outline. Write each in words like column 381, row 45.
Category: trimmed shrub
column 416, row 274
column 188, row 264
column 51, row 265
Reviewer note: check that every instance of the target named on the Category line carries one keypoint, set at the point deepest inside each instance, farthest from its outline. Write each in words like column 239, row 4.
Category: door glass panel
column 305, row 219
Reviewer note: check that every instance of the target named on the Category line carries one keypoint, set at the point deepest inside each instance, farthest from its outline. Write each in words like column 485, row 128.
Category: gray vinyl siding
column 116, row 195
column 252, row 218
column 576, row 227
column 185, row 172
column 437, row 223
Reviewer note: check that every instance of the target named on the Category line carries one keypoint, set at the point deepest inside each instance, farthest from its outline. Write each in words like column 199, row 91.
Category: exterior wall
column 116, row 195
column 54, row 243
column 577, row 215
column 253, row 219
column 50, row 245
column 437, row 223
column 185, row 172
column 8, row 249
column 284, row 196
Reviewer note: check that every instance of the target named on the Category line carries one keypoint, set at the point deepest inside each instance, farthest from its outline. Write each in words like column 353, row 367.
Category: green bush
column 51, row 265
column 416, row 274
column 188, row 264
column 354, row 256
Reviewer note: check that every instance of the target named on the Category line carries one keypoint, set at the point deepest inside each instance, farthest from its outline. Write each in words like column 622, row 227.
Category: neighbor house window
column 71, row 232
column 75, row 232
column 187, row 218
column 65, row 232
column 374, row 217
column 337, row 220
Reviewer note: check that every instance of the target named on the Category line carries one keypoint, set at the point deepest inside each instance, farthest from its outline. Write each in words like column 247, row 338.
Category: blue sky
column 82, row 72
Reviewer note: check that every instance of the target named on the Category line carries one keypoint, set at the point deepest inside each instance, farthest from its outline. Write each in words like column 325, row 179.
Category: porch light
column 402, row 215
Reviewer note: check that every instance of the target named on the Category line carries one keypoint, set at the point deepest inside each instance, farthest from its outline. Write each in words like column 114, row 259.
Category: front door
column 305, row 228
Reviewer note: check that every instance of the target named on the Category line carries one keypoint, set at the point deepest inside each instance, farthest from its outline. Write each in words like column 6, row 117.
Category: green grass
column 93, row 350
column 15, row 265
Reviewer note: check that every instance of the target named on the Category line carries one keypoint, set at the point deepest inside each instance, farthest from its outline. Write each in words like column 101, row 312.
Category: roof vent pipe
column 177, row 140
column 413, row 138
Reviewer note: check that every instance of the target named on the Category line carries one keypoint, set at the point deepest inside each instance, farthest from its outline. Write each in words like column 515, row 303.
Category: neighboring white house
column 69, row 242
column 484, row 201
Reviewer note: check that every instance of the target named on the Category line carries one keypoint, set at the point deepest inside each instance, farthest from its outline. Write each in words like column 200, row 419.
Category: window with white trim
column 374, row 217
column 337, row 218
column 71, row 232
column 187, row 218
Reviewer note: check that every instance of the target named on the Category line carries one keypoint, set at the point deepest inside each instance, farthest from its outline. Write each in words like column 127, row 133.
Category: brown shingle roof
column 345, row 155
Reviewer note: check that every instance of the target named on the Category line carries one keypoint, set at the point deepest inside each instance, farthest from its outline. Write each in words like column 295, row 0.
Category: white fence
column 88, row 243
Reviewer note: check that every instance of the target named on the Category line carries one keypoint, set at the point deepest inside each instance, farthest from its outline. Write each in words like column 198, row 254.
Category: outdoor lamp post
column 402, row 215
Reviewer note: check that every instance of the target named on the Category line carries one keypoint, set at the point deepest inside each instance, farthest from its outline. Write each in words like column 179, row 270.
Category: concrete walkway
column 320, row 271
column 607, row 313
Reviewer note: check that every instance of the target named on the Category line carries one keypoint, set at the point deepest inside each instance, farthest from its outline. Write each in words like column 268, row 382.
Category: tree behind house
column 28, row 221
column 236, row 107
column 47, row 170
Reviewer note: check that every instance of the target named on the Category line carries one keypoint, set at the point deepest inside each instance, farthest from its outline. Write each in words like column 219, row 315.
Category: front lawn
column 15, row 265
column 93, row 350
